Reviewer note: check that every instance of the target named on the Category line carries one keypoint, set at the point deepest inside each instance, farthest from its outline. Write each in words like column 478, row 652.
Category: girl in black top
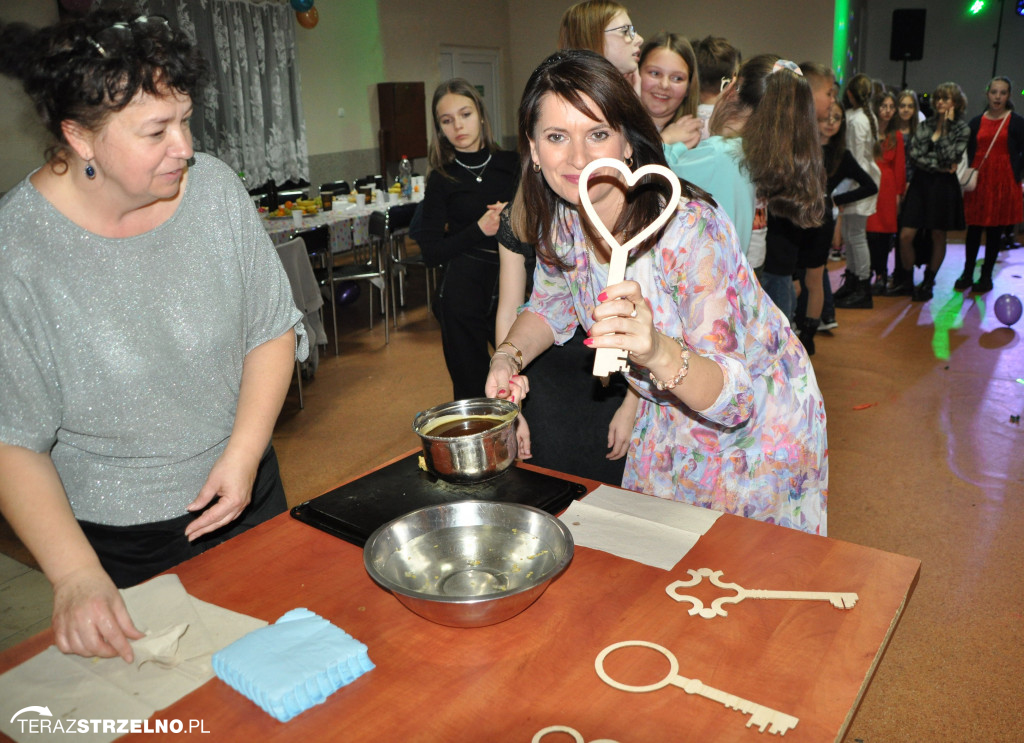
column 469, row 184
column 808, row 248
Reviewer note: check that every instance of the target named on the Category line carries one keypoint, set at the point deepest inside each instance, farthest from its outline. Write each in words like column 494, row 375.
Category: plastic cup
column 297, row 217
column 360, row 199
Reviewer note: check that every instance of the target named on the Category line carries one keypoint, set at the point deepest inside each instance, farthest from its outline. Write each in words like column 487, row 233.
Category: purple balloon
column 347, row 292
column 301, row 6
column 1008, row 309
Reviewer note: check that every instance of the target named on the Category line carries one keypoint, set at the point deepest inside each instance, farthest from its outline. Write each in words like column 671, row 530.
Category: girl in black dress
column 469, row 184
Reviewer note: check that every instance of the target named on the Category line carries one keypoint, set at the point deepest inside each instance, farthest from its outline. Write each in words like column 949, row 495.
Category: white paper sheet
column 653, row 531
column 172, row 660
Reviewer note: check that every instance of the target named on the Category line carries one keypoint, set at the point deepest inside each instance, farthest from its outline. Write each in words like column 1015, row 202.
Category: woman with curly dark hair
column 730, row 415
column 147, row 327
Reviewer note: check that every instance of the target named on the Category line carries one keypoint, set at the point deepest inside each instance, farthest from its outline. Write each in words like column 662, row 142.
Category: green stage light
column 976, row 7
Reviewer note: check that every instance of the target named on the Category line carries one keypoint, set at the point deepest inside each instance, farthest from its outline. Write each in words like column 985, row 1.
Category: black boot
column 808, row 327
column 859, row 298
column 963, row 283
column 902, row 283
column 847, row 287
column 983, row 284
column 923, row 291
column 880, row 285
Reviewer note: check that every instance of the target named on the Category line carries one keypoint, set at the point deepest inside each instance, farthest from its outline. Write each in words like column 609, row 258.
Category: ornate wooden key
column 838, row 600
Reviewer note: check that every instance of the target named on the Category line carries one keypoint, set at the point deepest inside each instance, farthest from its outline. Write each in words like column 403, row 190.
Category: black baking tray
column 354, row 510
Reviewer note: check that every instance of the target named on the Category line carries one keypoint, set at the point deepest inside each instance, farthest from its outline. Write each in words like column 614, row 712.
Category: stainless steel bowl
column 473, row 457
column 469, row 563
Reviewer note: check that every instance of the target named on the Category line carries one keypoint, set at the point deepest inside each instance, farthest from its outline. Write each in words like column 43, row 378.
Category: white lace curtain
column 250, row 115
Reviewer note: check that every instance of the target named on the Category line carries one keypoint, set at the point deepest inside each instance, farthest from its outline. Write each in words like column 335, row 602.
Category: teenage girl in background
column 882, row 225
column 862, row 143
column 934, row 200
column 670, row 87
column 762, row 156
column 469, row 184
column 996, row 202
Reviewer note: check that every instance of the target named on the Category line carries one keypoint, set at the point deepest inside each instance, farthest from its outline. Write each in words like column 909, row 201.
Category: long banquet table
column 509, row 681
column 348, row 225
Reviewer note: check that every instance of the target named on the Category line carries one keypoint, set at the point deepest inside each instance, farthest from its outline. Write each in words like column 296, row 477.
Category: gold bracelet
column 681, row 374
column 513, row 359
column 519, row 354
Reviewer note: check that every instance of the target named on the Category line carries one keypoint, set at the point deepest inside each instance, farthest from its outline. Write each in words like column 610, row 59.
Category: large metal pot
column 470, row 457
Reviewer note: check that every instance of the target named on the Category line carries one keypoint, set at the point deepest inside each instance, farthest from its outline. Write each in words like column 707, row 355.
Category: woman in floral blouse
column 730, row 416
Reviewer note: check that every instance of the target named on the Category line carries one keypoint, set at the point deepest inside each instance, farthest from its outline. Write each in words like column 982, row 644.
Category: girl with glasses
column 934, row 200
column 147, row 328
column 604, row 27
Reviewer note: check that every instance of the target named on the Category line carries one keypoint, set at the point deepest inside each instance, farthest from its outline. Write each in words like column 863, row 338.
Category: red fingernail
column 602, row 296
column 501, row 392
column 588, row 341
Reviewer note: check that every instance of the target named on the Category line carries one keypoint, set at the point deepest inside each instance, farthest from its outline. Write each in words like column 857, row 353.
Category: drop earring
column 536, row 167
column 90, row 171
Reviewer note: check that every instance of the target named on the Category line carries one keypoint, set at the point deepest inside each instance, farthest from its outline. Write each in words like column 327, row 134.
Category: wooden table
column 506, row 682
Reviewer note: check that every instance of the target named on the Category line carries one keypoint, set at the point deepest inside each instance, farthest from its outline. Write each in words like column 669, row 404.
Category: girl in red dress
column 882, row 226
column 996, row 149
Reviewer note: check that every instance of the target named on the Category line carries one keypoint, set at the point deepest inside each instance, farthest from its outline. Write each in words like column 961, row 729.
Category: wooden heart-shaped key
column 608, row 360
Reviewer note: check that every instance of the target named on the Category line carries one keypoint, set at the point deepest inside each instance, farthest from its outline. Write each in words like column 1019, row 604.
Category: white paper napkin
column 635, row 526
column 171, row 661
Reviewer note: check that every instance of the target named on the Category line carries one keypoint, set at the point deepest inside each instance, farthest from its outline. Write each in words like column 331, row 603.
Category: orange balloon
column 308, row 18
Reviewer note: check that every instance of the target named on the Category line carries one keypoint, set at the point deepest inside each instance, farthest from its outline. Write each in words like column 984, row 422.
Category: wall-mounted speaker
column 907, row 43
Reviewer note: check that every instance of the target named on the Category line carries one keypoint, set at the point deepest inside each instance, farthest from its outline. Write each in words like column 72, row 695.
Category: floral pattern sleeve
column 760, row 450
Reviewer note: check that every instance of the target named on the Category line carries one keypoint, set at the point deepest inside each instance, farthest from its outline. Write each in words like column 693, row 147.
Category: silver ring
column 633, row 313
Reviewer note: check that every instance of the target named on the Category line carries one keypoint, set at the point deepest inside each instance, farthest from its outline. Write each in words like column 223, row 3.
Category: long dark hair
column 442, row 152
column 86, row 69
column 890, row 132
column 773, row 110
column 570, row 75
column 835, row 147
column 912, row 121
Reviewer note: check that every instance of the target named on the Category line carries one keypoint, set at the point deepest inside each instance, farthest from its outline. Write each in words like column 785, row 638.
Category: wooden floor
column 925, row 462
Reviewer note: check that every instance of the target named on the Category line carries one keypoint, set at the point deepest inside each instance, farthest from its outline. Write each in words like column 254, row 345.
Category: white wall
column 359, row 43
column 957, row 47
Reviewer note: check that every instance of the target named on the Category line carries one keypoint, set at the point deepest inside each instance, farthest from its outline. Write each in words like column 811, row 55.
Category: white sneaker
column 828, row 325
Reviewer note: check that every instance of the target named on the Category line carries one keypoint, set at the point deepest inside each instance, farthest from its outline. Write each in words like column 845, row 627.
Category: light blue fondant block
column 293, row 664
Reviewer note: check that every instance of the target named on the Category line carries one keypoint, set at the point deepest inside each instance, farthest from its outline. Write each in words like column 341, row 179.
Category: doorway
column 480, row 68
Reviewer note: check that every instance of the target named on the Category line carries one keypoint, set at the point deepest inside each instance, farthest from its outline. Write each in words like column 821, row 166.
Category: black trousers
column 466, row 311
column 880, row 244
column 133, row 554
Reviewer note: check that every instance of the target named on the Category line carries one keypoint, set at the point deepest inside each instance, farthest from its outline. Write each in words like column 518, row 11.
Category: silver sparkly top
column 123, row 357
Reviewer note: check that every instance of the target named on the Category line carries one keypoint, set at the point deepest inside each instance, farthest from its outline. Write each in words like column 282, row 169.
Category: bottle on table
column 405, row 177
